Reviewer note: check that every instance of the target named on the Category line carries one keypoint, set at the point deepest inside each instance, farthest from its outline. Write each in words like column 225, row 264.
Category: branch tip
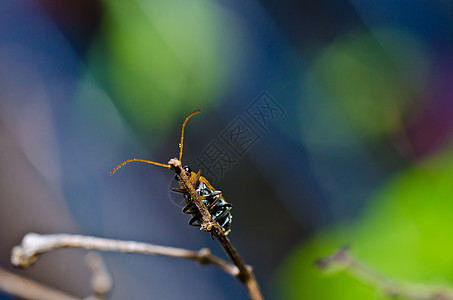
column 101, row 281
column 337, row 261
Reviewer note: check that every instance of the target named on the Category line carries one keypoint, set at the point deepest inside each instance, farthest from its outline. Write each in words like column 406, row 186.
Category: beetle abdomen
column 216, row 204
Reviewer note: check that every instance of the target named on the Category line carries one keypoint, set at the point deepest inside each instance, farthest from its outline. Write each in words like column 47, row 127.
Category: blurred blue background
column 345, row 116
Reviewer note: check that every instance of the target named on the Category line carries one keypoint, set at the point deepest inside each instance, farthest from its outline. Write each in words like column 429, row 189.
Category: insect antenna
column 156, row 163
column 138, row 159
column 181, row 144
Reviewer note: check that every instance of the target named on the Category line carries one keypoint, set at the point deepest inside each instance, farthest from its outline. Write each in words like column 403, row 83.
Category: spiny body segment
column 213, row 199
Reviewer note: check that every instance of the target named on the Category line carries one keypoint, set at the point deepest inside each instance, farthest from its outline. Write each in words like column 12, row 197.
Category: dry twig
column 28, row 289
column 342, row 260
column 245, row 275
column 33, row 245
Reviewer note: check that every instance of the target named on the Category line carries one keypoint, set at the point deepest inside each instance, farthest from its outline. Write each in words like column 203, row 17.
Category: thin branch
column 245, row 275
column 33, row 245
column 28, row 289
column 342, row 260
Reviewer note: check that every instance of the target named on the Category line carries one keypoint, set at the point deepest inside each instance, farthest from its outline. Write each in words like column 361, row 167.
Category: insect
column 212, row 198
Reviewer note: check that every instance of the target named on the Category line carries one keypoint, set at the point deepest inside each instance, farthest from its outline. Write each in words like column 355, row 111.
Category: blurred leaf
column 368, row 77
column 164, row 59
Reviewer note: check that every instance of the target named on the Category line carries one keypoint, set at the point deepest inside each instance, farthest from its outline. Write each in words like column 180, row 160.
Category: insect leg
column 190, row 209
column 197, row 179
column 222, row 211
column 196, row 220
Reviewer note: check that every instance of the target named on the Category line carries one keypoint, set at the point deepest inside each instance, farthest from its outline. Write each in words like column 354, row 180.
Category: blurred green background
column 347, row 109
